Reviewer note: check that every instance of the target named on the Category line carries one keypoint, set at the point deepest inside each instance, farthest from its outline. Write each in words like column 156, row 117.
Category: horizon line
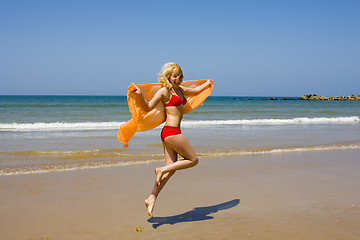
column 111, row 95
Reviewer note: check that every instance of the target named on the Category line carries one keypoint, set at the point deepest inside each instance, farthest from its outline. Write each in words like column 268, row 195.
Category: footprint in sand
column 139, row 229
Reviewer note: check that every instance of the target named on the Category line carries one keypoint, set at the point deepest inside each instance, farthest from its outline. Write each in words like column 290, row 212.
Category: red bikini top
column 175, row 100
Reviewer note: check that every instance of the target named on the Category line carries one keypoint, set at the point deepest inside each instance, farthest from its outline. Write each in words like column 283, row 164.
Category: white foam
column 79, row 126
column 291, row 121
column 58, row 126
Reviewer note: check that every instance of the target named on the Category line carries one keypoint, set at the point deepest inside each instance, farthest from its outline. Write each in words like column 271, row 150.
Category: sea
column 47, row 134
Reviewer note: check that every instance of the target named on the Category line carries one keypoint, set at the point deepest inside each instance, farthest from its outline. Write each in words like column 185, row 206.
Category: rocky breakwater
column 323, row 98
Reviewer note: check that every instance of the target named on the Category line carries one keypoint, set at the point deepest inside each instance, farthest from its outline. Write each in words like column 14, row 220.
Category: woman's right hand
column 137, row 91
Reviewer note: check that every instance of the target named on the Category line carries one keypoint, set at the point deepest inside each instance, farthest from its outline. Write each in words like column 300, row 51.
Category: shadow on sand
column 197, row 214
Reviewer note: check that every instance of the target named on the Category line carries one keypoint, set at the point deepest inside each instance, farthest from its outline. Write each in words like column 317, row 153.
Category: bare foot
column 159, row 173
column 149, row 203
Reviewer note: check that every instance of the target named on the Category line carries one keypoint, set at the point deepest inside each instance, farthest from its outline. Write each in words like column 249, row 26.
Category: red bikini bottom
column 169, row 131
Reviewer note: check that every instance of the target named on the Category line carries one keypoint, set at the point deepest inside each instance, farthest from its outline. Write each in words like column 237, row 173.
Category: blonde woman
column 172, row 96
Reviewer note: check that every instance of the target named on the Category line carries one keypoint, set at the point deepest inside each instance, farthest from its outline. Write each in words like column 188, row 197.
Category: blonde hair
column 166, row 72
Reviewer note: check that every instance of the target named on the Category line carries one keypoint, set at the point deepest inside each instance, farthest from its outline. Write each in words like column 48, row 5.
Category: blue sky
column 249, row 48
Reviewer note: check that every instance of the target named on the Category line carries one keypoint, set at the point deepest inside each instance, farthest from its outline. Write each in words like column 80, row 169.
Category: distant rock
column 323, row 98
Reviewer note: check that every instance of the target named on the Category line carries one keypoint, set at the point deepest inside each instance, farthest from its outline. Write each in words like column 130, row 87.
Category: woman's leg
column 179, row 144
column 170, row 157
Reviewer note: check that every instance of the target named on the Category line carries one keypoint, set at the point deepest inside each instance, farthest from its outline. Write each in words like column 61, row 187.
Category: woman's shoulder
column 163, row 91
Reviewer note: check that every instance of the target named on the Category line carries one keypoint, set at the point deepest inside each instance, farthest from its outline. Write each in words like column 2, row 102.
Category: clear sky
column 249, row 48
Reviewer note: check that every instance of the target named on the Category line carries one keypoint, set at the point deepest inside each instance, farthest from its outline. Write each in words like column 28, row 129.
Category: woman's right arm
column 148, row 106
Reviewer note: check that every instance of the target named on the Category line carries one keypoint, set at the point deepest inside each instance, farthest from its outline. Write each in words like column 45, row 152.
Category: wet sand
column 308, row 195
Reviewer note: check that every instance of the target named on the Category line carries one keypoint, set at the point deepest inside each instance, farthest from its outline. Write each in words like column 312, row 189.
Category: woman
column 172, row 96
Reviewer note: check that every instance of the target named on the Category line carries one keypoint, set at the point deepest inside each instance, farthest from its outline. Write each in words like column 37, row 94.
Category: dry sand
column 312, row 195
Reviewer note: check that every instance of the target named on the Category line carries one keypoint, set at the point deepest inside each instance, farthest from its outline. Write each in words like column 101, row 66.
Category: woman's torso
column 174, row 104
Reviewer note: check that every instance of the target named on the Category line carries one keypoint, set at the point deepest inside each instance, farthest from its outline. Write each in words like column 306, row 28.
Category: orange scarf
column 143, row 121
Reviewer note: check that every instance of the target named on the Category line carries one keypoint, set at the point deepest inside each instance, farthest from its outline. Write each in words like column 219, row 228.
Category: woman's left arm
column 195, row 90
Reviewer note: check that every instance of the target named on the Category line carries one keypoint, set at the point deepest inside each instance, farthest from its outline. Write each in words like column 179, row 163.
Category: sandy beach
column 266, row 93
column 306, row 195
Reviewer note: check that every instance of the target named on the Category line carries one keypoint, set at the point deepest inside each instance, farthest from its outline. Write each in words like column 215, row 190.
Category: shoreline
column 143, row 159
column 299, row 195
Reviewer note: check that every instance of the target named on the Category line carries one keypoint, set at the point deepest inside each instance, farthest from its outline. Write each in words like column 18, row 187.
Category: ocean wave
column 290, row 121
column 151, row 158
column 119, row 153
column 78, row 126
column 285, row 150
column 70, row 167
column 58, row 126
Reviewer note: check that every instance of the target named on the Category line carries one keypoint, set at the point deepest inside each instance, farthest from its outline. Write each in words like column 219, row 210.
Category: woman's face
column 175, row 79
